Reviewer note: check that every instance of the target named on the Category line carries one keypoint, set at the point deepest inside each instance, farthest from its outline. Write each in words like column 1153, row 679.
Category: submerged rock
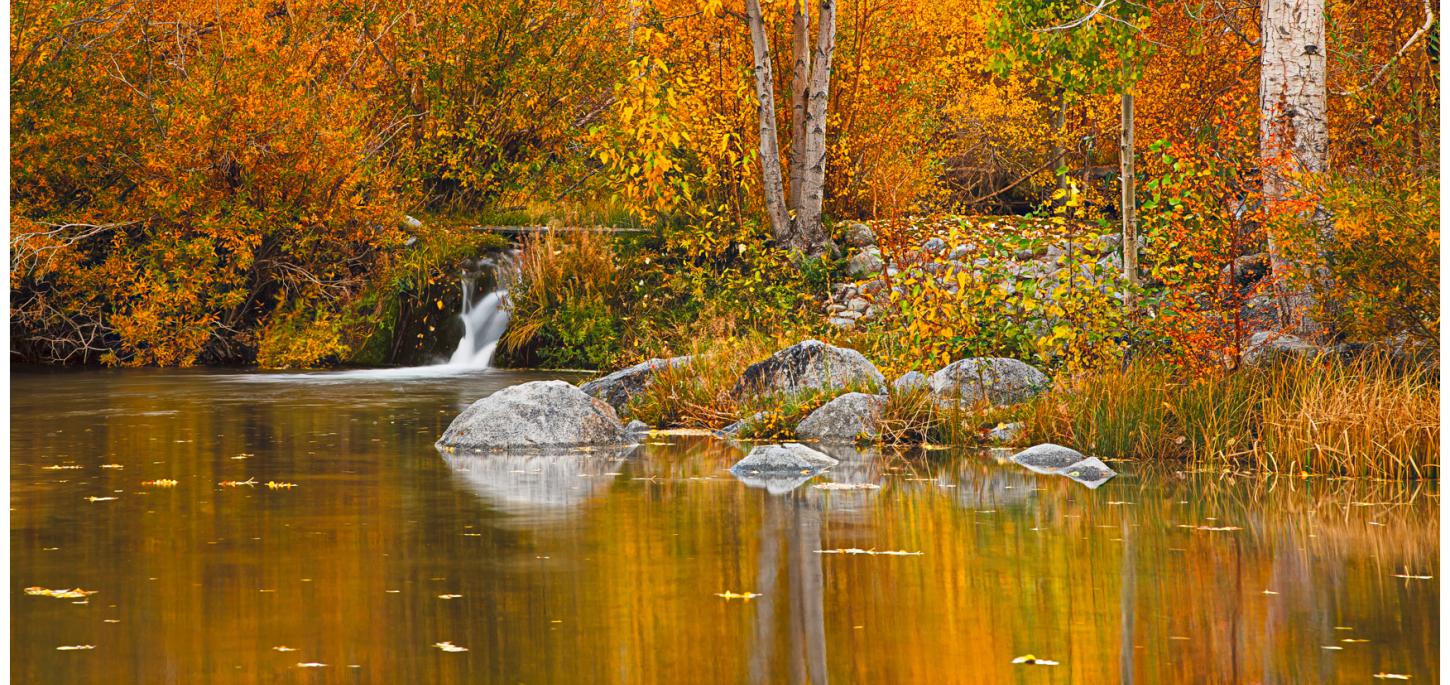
column 809, row 365
column 852, row 416
column 637, row 429
column 540, row 414
column 1048, row 457
column 1091, row 472
column 791, row 458
column 998, row 380
column 617, row 388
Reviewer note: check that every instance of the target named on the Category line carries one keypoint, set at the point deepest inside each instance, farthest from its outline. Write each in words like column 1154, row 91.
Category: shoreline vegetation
column 1216, row 233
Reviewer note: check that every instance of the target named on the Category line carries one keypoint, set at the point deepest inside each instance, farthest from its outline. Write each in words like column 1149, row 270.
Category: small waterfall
column 484, row 321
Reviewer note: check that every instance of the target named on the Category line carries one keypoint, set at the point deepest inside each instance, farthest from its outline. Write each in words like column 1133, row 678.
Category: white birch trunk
column 1129, row 205
column 780, row 224
column 810, row 234
column 800, row 94
column 1293, row 135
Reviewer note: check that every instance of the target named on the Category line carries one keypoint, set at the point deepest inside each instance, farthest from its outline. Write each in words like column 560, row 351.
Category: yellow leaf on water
column 747, row 596
column 278, row 484
column 856, row 550
column 284, row 648
column 1033, row 660
column 1391, row 676
column 99, row 499
column 449, row 596
column 449, row 647
column 71, row 648
column 75, row 593
column 160, row 483
column 310, row 664
column 235, row 483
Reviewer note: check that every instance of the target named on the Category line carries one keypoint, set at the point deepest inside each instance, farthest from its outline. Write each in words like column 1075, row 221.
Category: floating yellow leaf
column 1409, row 576
column 855, row 550
column 284, row 648
column 75, row 593
column 160, row 483
column 449, row 596
column 449, row 647
column 279, row 484
column 60, row 467
column 112, row 466
column 1391, row 676
column 310, row 664
column 99, row 499
column 747, row 596
column 847, row 486
column 1210, row 528
column 1035, row 661
column 235, row 483
column 71, row 648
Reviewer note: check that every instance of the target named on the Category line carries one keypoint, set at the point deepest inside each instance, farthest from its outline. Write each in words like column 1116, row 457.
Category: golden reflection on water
column 606, row 568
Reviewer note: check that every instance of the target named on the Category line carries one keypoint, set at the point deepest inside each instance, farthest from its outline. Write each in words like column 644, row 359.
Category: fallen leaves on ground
column 1033, row 660
column 747, row 596
column 449, row 647
column 856, row 550
column 74, row 593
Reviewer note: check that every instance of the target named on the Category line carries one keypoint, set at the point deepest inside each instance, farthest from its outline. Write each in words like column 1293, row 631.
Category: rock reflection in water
column 548, row 483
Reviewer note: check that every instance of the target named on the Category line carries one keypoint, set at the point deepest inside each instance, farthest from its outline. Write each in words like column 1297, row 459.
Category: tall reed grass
column 1364, row 417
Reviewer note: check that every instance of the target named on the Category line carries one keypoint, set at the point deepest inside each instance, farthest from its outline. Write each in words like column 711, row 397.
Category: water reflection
column 538, row 484
column 589, row 568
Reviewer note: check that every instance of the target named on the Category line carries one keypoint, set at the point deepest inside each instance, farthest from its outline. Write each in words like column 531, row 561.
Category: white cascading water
column 483, row 322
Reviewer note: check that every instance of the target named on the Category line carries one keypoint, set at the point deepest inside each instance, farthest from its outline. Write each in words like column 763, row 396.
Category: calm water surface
column 596, row 569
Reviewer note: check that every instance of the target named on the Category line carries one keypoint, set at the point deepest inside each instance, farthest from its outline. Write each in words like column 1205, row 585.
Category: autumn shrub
column 1066, row 312
column 1384, row 254
column 1367, row 416
column 566, row 307
column 700, row 393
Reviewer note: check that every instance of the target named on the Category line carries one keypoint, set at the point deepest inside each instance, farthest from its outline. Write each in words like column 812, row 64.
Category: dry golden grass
column 1366, row 417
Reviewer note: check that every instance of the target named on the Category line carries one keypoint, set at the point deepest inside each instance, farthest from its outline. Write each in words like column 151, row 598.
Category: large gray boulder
column 846, row 419
column 1048, row 457
column 788, row 458
column 617, row 388
column 909, row 381
column 998, row 380
column 809, row 365
column 537, row 415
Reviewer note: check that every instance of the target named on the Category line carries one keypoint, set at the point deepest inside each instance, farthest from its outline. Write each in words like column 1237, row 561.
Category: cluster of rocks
column 1054, row 459
column 854, row 303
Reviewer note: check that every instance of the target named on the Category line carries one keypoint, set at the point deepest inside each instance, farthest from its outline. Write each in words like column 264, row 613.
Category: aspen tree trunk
column 799, row 96
column 780, row 225
column 1129, row 206
column 810, row 234
column 1059, row 126
column 1293, row 138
